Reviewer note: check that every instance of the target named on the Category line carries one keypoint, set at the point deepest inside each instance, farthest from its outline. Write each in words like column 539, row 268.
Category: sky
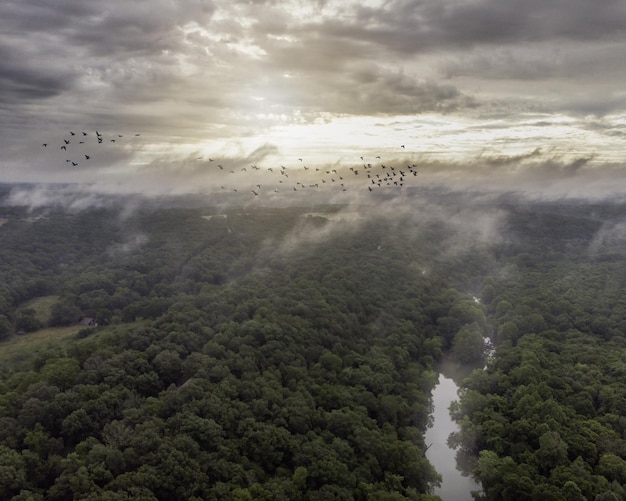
column 520, row 95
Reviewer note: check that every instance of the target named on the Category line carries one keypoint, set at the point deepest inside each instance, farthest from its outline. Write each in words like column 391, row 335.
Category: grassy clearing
column 20, row 349
column 42, row 306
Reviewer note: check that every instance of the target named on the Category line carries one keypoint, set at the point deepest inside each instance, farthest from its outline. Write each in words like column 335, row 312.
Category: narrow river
column 454, row 486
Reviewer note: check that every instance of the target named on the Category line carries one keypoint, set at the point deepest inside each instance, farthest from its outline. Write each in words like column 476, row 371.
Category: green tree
column 468, row 345
column 64, row 312
column 612, row 467
column 5, row 326
column 27, row 320
column 12, row 472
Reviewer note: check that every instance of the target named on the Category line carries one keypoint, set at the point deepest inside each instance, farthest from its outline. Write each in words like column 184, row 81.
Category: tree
column 61, row 372
column 168, row 366
column 468, row 345
column 64, row 312
column 27, row 320
column 12, row 472
column 5, row 327
column 612, row 467
column 552, row 451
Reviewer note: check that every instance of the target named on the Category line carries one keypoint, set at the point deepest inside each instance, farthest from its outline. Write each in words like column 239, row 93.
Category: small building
column 87, row 321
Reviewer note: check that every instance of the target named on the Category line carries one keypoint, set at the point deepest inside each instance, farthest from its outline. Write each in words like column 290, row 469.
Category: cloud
column 611, row 234
column 21, row 80
column 194, row 74
column 132, row 243
column 533, row 175
column 67, row 197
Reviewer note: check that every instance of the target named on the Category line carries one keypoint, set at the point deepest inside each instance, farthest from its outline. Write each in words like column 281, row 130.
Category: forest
column 161, row 350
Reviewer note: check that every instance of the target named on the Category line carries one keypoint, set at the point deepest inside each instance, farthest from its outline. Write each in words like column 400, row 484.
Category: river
column 454, row 486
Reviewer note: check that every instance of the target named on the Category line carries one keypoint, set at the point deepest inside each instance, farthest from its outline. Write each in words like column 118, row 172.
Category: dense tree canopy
column 236, row 358
column 546, row 415
column 271, row 354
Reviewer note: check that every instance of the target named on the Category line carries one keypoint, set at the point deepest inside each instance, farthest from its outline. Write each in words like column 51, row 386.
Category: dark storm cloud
column 104, row 26
column 48, row 49
column 577, row 61
column 20, row 80
column 416, row 25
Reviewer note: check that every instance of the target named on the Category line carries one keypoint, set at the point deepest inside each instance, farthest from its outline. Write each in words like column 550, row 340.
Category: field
column 18, row 350
column 42, row 306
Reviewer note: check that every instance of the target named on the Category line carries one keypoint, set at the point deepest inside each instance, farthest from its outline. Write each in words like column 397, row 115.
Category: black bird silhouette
column 45, row 144
column 63, row 148
column 72, row 133
column 74, row 164
column 87, row 157
column 67, row 141
column 83, row 133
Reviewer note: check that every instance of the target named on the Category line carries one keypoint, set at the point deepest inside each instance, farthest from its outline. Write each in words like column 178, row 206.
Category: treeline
column 258, row 356
column 547, row 417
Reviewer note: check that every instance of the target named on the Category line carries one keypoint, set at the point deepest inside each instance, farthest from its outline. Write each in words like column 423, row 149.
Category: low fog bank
column 472, row 198
column 530, row 176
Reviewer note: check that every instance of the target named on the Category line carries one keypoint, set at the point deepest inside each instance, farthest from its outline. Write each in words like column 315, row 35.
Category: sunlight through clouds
column 329, row 80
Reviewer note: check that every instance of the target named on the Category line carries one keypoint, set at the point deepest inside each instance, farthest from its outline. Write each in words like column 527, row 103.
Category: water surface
column 454, row 486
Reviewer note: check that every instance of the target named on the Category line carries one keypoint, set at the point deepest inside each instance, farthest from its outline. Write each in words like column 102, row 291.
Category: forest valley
column 161, row 351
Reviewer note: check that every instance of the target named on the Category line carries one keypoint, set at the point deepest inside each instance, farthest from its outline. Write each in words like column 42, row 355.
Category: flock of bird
column 371, row 174
column 80, row 138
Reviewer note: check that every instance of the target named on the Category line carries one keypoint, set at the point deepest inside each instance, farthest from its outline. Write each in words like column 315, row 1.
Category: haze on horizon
column 479, row 94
